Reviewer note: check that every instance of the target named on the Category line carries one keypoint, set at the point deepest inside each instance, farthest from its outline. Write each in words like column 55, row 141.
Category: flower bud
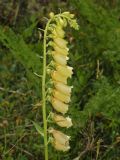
column 63, row 51
column 60, row 59
column 49, row 71
column 63, row 88
column 66, row 13
column 48, row 98
column 64, row 70
column 49, row 90
column 51, row 14
column 65, row 22
column 50, row 43
column 60, row 42
column 62, row 121
column 60, row 96
column 58, row 77
column 52, row 63
column 58, row 32
column 59, row 106
column 60, row 22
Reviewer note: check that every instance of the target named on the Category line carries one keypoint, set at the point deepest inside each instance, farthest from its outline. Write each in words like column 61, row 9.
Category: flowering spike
column 59, row 95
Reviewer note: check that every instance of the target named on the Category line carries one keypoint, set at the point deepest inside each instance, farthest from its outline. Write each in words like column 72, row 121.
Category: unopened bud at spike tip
column 51, row 14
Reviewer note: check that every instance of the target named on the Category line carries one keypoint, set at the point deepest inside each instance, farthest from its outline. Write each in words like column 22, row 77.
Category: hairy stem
column 44, row 93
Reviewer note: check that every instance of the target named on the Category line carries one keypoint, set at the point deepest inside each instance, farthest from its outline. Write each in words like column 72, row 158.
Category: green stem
column 44, row 92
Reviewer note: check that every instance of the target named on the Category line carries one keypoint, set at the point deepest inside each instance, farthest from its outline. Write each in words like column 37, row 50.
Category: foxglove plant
column 58, row 95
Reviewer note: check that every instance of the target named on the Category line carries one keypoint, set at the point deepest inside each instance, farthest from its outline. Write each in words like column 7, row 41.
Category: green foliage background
column 95, row 57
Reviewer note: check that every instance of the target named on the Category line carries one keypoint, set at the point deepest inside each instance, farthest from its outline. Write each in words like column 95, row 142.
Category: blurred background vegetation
column 95, row 57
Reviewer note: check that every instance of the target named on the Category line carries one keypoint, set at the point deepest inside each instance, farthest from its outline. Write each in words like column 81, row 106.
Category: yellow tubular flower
column 62, row 121
column 58, row 77
column 64, row 70
column 59, row 106
column 60, row 140
column 60, row 147
column 60, row 137
column 60, row 59
column 63, row 88
column 60, row 42
column 60, row 96
column 63, row 51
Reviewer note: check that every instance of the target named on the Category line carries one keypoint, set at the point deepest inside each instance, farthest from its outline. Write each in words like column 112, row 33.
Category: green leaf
column 38, row 128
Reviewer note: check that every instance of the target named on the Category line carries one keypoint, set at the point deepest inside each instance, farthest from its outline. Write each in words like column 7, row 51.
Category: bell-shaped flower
column 59, row 106
column 58, row 77
column 60, row 137
column 60, row 140
column 60, row 42
column 64, row 70
column 60, row 96
column 63, row 51
column 62, row 121
column 60, row 147
column 63, row 88
column 60, row 59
